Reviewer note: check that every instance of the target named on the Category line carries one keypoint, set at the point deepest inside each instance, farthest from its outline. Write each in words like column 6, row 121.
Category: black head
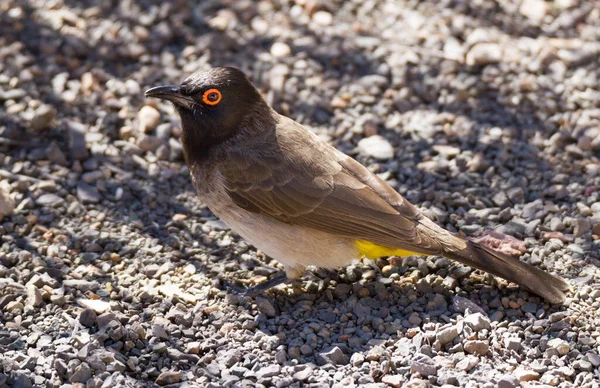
column 213, row 105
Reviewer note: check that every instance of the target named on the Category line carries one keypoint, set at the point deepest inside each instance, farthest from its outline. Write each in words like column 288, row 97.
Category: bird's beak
column 171, row 93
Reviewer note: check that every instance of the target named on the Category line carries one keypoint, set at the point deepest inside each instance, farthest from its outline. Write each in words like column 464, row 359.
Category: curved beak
column 171, row 93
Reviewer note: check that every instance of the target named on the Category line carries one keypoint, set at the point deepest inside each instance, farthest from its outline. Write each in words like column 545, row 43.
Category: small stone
column 476, row 347
column 342, row 289
column 34, row 296
column 477, row 321
column 266, row 307
column 447, row 335
column 333, row 356
column 77, row 147
column 535, row 10
column 43, row 117
column 581, row 226
column 97, row 305
column 467, row 363
column 512, row 343
column 323, row 18
column 280, row 50
column 523, row 374
column 560, row 345
column 395, row 381
column 484, row 54
column 375, row 353
column 508, row 381
column 149, row 143
column 88, row 194
column 88, row 318
column 423, row 365
column 303, row 372
column 357, row 359
column 159, row 332
column 268, row 371
column 49, row 200
column 81, row 374
column 376, row 147
column 7, row 205
column 414, row 319
column 168, row 377
column 55, row 154
column 594, row 358
column 148, row 118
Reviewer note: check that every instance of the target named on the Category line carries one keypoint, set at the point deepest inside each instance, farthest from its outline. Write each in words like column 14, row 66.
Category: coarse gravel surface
column 486, row 114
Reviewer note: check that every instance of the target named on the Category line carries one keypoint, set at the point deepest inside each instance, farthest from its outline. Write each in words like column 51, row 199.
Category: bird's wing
column 299, row 179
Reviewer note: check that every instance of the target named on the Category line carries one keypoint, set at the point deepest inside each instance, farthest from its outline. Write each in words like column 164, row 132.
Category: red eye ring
column 212, row 97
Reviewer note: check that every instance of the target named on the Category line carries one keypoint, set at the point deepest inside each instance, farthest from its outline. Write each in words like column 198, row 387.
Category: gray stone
column 265, row 306
column 333, row 355
column 447, row 335
column 476, row 347
column 477, row 321
column 50, row 200
column 376, row 147
column 77, row 146
column 424, row 365
column 508, row 381
column 81, row 374
column 87, row 193
column 268, row 371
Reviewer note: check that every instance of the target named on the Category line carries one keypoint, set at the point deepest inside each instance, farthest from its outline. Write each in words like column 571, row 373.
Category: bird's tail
column 549, row 287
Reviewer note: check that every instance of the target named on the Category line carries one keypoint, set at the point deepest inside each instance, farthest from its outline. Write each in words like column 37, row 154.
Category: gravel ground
column 484, row 113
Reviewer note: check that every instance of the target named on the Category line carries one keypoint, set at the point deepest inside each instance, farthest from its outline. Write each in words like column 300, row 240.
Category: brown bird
column 300, row 200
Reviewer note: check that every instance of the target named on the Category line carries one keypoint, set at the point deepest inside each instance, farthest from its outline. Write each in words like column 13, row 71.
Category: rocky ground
column 486, row 114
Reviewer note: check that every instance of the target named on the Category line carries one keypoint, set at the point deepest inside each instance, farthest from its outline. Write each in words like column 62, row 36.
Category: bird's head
column 213, row 105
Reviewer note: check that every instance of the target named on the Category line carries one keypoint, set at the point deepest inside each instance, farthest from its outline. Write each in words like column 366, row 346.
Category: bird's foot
column 257, row 289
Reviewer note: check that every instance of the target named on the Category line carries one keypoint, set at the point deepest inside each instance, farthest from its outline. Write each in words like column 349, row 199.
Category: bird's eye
column 211, row 97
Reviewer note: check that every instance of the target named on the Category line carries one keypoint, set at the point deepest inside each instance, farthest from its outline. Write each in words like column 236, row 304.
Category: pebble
column 447, row 335
column 280, row 50
column 7, row 205
column 508, row 381
column 476, row 347
column 560, row 345
column 50, row 200
column 96, row 305
column 148, row 118
column 333, row 356
column 376, row 147
column 77, row 147
column 477, row 321
column 81, row 374
column 523, row 374
column 424, row 365
column 87, row 194
column 535, row 10
column 43, row 117
column 484, row 54
column 268, row 371
column 467, row 363
column 323, row 18
column 168, row 377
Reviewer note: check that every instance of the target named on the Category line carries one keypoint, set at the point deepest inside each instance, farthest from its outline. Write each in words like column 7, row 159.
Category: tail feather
column 549, row 287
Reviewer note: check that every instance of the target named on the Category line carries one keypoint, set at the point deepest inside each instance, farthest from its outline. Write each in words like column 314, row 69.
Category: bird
column 301, row 201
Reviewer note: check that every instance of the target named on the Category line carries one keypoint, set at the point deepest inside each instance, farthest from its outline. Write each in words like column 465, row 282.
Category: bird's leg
column 257, row 289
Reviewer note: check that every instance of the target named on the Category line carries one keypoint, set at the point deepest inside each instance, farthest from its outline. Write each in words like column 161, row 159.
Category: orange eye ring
column 212, row 97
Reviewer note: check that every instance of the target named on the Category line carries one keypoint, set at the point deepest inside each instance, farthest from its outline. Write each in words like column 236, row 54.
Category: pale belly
column 295, row 247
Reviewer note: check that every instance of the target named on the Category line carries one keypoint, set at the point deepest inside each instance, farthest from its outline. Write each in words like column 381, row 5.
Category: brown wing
column 299, row 179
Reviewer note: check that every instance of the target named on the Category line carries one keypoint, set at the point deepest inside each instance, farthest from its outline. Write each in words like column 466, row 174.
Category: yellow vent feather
column 374, row 251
